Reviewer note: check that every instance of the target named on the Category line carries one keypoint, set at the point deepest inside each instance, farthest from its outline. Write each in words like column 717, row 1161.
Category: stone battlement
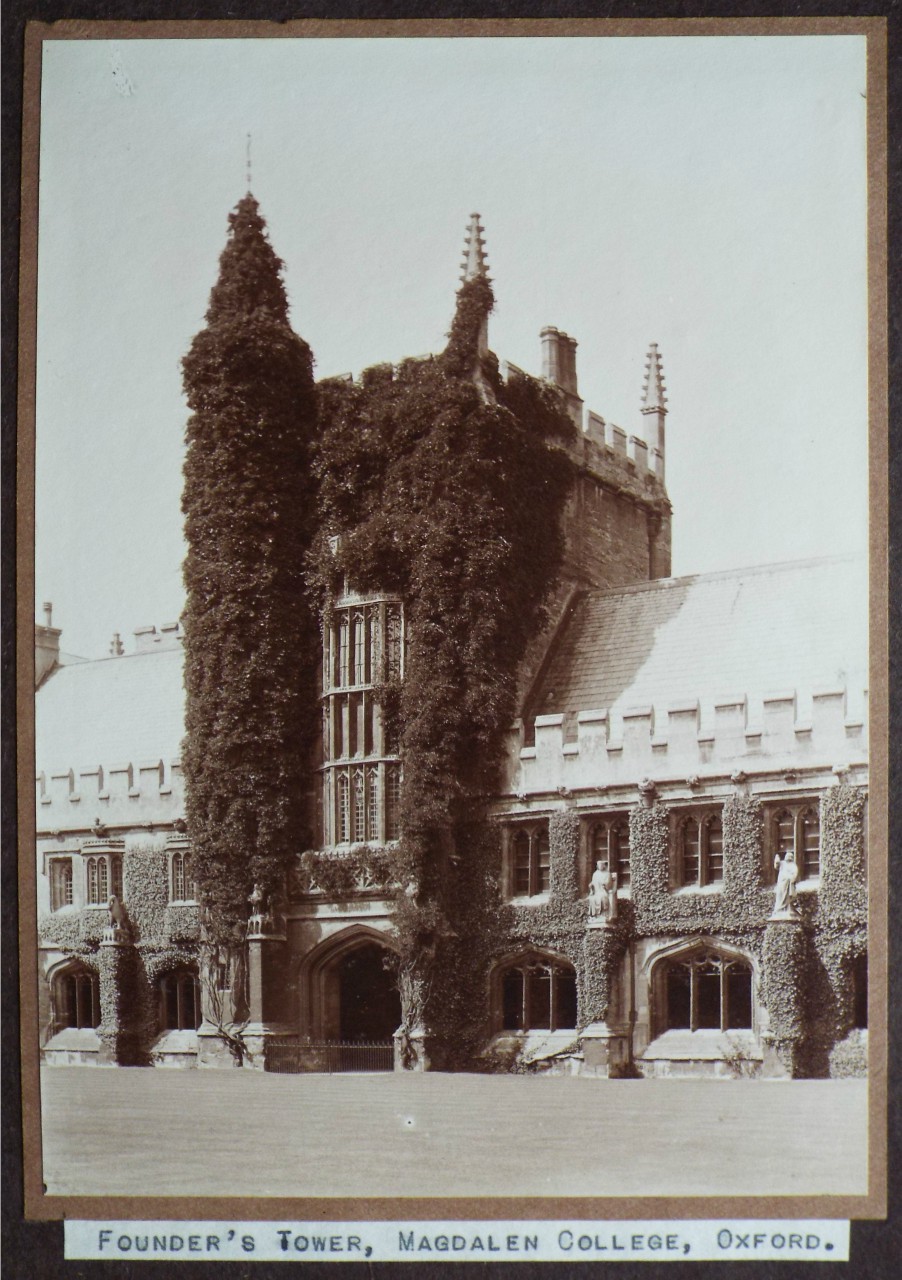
column 120, row 792
column 825, row 728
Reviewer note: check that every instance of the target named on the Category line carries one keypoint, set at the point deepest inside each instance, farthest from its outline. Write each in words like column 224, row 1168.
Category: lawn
column 141, row 1131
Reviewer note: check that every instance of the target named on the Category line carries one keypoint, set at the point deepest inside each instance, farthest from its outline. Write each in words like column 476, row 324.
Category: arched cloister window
column 704, row 989
column 538, row 994
column 180, row 1000
column 75, row 996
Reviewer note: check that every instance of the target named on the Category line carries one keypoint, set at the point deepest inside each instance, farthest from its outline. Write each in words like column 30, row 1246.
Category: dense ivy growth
column 250, row 636
column 445, row 487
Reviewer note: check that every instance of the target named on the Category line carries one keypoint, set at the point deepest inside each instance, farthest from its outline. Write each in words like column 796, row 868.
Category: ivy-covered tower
column 250, row 636
column 469, row 778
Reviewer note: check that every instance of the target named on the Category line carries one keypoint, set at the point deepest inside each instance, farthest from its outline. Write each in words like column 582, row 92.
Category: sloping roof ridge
column 660, row 584
column 156, row 652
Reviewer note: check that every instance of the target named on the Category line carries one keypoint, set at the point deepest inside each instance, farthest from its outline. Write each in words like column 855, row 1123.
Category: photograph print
column 452, row 595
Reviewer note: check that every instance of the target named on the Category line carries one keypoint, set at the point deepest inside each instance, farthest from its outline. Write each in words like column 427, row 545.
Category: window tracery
column 363, row 646
column 706, row 990
column 796, row 829
column 538, row 993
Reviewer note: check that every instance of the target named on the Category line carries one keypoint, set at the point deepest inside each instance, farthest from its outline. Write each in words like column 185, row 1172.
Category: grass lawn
column 141, row 1131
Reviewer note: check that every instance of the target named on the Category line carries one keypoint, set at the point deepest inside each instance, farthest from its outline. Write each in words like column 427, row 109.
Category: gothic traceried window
column 705, row 990
column 362, row 647
column 180, row 1000
column 538, row 994
column 75, row 997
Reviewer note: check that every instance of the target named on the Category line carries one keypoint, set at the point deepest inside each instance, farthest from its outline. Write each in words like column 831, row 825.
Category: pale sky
column 707, row 194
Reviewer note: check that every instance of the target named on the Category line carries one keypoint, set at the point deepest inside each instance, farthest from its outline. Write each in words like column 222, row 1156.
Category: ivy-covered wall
column 163, row 937
column 804, row 965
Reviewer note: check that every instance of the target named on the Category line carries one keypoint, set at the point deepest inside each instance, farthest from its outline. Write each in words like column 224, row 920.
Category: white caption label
column 814, row 1241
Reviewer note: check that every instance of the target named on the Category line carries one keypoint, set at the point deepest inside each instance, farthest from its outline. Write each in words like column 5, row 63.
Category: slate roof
column 796, row 626
column 128, row 709
column 793, row 626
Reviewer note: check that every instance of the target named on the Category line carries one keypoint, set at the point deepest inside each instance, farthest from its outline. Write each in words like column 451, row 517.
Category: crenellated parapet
column 784, row 731
column 120, row 793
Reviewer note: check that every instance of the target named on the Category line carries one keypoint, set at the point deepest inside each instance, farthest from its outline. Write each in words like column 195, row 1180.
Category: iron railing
column 290, row 1057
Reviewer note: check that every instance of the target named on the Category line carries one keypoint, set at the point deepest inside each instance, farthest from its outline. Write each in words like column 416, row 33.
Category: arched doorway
column 347, row 988
column 369, row 1005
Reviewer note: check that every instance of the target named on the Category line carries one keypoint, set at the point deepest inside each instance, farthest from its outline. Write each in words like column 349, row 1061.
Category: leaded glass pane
column 811, row 844
column 690, row 851
column 521, row 863
column 715, row 850
column 543, row 862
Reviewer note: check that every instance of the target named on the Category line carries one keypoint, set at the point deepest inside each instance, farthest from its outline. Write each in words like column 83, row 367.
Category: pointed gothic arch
column 324, row 977
column 701, row 983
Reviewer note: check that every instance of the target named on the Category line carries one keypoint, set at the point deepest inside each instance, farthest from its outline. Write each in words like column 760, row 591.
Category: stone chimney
column 559, row 367
column 46, row 646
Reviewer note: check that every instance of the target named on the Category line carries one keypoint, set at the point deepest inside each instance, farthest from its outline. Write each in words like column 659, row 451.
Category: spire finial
column 654, row 399
column 475, row 262
column 248, row 163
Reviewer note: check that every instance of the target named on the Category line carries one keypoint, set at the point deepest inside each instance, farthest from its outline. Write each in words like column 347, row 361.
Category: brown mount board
column 872, row 1205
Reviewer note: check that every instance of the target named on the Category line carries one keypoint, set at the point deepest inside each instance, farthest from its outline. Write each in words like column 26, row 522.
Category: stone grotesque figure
column 118, row 914
column 602, row 893
column 787, row 875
